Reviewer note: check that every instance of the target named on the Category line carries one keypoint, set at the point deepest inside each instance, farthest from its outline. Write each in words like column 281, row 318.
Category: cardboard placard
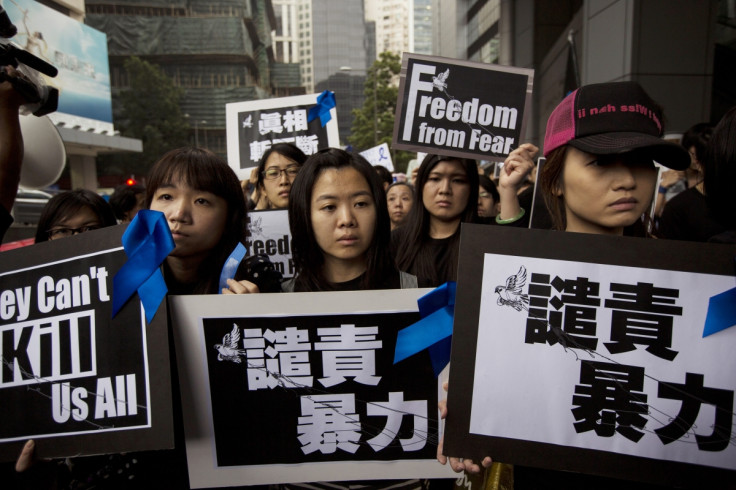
column 586, row 353
column 72, row 378
column 461, row 108
column 301, row 387
column 269, row 234
column 256, row 125
column 379, row 155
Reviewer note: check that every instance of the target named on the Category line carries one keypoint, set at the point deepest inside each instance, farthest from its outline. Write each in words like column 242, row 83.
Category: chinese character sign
column 461, row 108
column 614, row 354
column 72, row 378
column 313, row 391
column 254, row 126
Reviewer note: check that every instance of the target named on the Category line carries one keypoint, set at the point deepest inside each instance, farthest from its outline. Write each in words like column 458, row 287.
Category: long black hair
column 411, row 238
column 720, row 171
column 308, row 256
column 64, row 205
column 203, row 170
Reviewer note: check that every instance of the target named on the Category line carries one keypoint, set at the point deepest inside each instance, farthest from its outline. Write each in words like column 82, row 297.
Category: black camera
column 41, row 99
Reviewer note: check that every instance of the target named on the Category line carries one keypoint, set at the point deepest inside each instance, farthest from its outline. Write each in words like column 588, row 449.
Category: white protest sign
column 600, row 343
column 269, row 234
column 379, row 155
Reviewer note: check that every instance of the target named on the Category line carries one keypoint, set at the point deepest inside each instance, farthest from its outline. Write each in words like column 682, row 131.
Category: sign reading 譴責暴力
column 301, row 387
column 72, row 378
column 608, row 365
column 461, row 108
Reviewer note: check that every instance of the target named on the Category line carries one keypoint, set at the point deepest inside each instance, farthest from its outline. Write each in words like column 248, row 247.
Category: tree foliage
column 374, row 122
column 148, row 110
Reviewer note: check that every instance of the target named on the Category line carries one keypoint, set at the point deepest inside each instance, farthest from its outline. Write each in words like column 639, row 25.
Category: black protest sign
column 461, row 108
column 599, row 339
column 254, row 126
column 269, row 234
column 72, row 378
column 303, row 388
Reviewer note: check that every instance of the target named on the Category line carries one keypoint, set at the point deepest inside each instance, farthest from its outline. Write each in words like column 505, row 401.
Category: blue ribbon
column 433, row 331
column 147, row 242
column 325, row 102
column 721, row 312
column 382, row 154
column 231, row 265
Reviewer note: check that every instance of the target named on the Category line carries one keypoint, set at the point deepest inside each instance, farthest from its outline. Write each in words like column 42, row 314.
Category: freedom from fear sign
column 302, row 387
column 461, row 108
column 72, row 378
column 269, row 234
column 586, row 353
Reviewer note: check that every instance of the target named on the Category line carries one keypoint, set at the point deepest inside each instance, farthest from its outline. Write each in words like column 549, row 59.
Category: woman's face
column 85, row 219
column 399, row 199
column 343, row 215
column 196, row 218
column 279, row 173
column 445, row 194
column 487, row 207
column 603, row 194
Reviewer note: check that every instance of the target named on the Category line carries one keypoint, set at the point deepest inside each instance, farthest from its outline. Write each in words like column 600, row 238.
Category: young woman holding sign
column 204, row 206
column 340, row 227
column 600, row 175
column 599, row 178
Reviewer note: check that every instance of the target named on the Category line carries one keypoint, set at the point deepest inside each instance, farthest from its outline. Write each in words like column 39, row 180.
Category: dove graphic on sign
column 511, row 294
column 228, row 350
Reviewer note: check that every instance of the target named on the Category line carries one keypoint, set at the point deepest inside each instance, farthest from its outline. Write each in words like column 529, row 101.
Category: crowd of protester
column 353, row 228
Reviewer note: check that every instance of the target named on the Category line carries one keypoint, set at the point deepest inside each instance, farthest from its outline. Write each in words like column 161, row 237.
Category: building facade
column 339, row 55
column 217, row 51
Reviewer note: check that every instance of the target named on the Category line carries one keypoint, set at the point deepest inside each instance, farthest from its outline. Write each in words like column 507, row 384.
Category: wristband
column 510, row 220
column 662, row 189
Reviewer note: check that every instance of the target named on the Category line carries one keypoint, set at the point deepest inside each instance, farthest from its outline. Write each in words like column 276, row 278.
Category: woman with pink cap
column 601, row 143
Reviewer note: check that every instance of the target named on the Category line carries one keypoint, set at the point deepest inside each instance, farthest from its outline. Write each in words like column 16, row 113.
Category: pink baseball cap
column 611, row 118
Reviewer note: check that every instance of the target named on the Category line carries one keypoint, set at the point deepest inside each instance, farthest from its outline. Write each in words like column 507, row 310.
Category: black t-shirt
column 686, row 217
column 440, row 250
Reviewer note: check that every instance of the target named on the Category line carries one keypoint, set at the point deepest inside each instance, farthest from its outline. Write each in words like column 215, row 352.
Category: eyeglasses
column 55, row 233
column 274, row 173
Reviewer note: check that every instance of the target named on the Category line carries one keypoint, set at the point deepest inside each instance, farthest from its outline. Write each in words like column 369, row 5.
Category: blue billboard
column 80, row 54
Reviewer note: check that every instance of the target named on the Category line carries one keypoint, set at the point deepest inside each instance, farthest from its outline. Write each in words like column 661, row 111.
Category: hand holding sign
column 517, row 166
column 457, row 464
column 513, row 174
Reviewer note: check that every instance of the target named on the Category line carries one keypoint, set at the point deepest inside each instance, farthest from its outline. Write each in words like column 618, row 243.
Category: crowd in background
column 354, row 228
